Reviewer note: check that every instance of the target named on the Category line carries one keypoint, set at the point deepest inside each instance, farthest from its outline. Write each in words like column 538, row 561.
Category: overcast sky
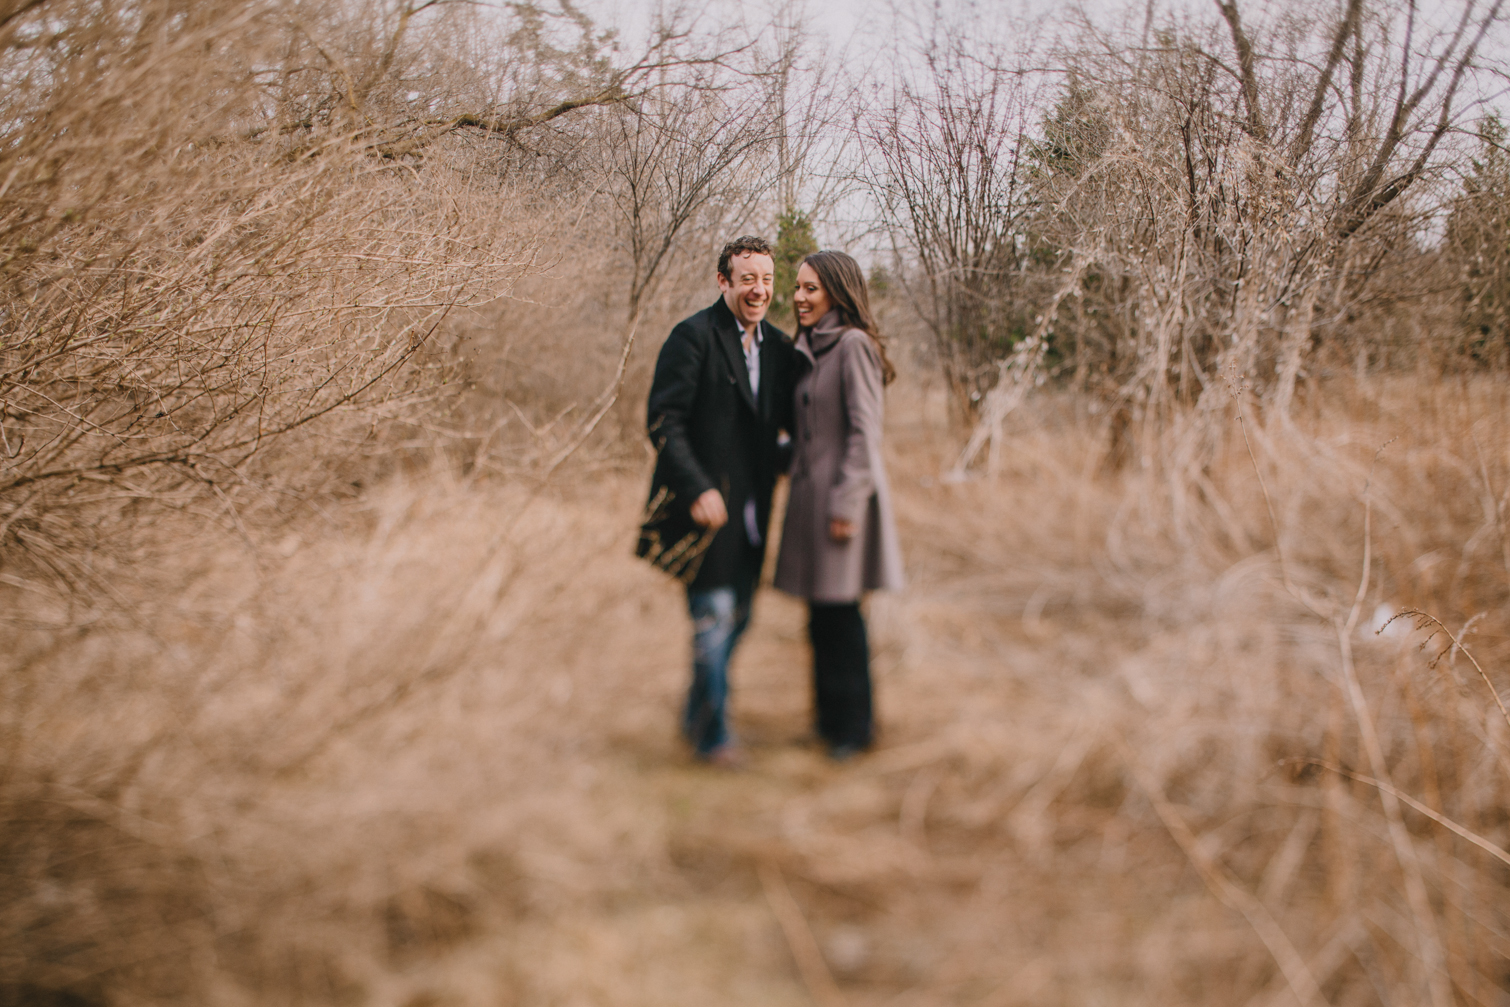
column 836, row 18
column 842, row 21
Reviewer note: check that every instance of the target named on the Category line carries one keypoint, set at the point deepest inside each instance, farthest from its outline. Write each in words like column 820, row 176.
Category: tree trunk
column 1297, row 341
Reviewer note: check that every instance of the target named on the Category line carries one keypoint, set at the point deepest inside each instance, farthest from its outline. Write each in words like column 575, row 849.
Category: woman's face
column 811, row 300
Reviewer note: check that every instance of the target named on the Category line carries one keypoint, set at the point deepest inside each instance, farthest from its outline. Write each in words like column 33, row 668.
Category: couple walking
column 734, row 403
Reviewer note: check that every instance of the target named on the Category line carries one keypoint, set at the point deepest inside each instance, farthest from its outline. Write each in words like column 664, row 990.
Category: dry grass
column 420, row 750
column 312, row 690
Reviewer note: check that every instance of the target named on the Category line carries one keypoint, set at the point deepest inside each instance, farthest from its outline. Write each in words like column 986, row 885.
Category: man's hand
column 840, row 530
column 708, row 510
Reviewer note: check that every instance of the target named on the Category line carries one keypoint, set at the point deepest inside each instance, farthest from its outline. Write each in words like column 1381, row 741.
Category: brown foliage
column 427, row 750
column 270, row 736
column 202, row 256
column 1243, row 197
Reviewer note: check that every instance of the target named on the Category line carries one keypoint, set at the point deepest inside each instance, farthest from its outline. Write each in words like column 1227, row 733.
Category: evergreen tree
column 794, row 242
column 1478, row 245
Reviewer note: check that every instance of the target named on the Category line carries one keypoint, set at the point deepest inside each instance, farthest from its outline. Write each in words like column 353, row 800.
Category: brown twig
column 799, row 937
column 1291, row 588
column 1433, row 959
column 1427, row 618
column 1226, row 889
column 1498, row 852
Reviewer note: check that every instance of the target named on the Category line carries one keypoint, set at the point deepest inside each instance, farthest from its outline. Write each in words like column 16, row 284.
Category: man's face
column 747, row 290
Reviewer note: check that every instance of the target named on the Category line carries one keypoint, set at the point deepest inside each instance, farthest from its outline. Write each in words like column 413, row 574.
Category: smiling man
column 720, row 399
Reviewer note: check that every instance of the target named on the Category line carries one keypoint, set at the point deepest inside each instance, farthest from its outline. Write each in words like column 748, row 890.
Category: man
column 720, row 398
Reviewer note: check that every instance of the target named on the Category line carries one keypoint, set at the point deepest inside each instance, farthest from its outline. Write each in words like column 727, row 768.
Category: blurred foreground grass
column 421, row 750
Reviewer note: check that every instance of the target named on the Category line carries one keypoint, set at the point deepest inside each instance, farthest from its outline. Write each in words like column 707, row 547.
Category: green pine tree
column 1477, row 246
column 794, row 242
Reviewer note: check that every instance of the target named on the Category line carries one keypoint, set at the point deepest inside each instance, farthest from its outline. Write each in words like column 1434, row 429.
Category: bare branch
column 1245, row 62
column 1347, row 27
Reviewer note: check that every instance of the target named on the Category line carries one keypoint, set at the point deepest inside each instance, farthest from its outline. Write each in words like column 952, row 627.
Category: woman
column 839, row 539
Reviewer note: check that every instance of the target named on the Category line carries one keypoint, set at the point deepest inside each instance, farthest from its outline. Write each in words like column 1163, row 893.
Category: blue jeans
column 719, row 616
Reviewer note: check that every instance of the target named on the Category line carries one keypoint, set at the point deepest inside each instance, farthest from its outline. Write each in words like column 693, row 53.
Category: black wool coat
column 711, row 432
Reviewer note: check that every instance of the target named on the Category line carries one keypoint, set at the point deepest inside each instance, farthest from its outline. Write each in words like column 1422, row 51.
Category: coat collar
column 730, row 338
column 822, row 337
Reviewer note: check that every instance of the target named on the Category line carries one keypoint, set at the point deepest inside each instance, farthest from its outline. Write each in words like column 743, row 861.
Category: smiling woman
column 811, row 301
column 839, row 539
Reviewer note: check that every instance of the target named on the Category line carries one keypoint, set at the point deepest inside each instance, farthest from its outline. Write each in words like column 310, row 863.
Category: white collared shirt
column 751, row 349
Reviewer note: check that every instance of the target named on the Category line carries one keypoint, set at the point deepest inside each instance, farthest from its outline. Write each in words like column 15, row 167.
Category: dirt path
column 407, row 767
column 930, row 871
column 976, row 857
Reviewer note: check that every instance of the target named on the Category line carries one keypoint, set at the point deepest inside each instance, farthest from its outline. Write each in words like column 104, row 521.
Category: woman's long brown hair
column 842, row 280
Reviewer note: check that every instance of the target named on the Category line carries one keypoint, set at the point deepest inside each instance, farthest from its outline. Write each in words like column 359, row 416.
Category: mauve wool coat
column 837, row 472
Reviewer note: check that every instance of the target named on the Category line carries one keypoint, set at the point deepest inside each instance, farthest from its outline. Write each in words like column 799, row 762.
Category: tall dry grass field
column 420, row 750
column 327, row 677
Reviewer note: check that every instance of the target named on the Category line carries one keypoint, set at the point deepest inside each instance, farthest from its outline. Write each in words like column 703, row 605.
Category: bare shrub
column 1234, row 191
column 949, row 159
column 205, row 256
column 187, row 283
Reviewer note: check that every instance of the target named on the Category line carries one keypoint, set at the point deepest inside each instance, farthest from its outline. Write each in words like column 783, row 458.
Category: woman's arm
column 861, row 384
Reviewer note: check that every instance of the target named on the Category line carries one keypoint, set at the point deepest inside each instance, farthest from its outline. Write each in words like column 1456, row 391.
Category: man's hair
column 746, row 244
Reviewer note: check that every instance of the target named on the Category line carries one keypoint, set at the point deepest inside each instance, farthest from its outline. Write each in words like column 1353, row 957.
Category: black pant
column 841, row 673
